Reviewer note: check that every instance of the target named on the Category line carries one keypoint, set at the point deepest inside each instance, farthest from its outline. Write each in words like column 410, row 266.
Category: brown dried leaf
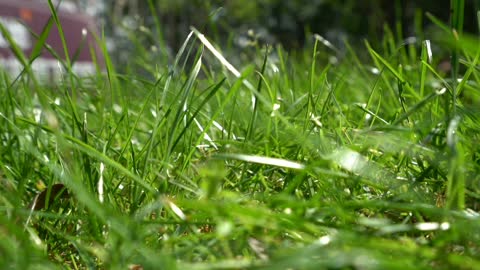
column 57, row 191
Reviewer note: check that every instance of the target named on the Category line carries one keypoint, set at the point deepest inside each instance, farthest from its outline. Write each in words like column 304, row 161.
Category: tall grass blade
column 251, row 125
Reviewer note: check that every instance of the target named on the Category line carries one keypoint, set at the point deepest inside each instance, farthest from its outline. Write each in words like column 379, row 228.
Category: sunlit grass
column 300, row 160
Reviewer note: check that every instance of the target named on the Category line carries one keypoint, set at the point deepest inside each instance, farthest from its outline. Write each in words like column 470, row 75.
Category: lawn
column 364, row 157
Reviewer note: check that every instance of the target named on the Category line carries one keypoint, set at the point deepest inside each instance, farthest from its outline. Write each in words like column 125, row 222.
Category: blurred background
column 236, row 23
column 285, row 20
column 155, row 29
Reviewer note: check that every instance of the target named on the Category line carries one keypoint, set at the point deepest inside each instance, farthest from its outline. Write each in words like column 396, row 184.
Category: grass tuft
column 332, row 161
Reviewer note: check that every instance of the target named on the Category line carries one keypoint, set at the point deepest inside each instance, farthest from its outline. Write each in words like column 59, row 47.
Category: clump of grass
column 288, row 163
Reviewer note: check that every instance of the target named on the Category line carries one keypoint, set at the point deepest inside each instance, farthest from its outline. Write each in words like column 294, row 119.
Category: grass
column 287, row 162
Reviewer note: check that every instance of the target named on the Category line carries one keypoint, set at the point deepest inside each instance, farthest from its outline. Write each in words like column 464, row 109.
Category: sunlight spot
column 288, row 211
column 296, row 235
column 274, row 67
column 427, row 226
column 177, row 210
column 224, row 228
column 376, row 152
column 364, row 262
column 60, row 68
column 471, row 213
column 243, row 42
column 452, row 131
column 310, row 212
column 121, row 187
column 444, row 226
column 117, row 108
column 275, row 108
column 154, row 113
column 135, row 141
column 375, row 70
column 203, row 146
column 52, row 120
column 92, row 108
column 143, row 29
column 258, row 247
column 410, row 40
column 429, row 50
column 220, row 57
column 316, row 120
column 84, row 32
column 324, row 240
column 368, row 117
column 34, row 237
column 325, row 42
column 351, row 160
column 100, row 183
column 37, row 113
column 266, row 161
column 441, row 91
column 333, row 60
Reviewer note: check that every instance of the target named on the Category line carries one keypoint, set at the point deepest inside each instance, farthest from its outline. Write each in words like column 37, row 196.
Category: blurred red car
column 21, row 17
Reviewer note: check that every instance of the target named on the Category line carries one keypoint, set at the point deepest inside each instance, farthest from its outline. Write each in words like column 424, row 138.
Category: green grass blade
column 264, row 161
column 90, row 151
column 251, row 124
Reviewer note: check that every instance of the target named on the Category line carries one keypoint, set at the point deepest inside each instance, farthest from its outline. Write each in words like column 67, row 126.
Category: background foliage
column 156, row 29
column 288, row 20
